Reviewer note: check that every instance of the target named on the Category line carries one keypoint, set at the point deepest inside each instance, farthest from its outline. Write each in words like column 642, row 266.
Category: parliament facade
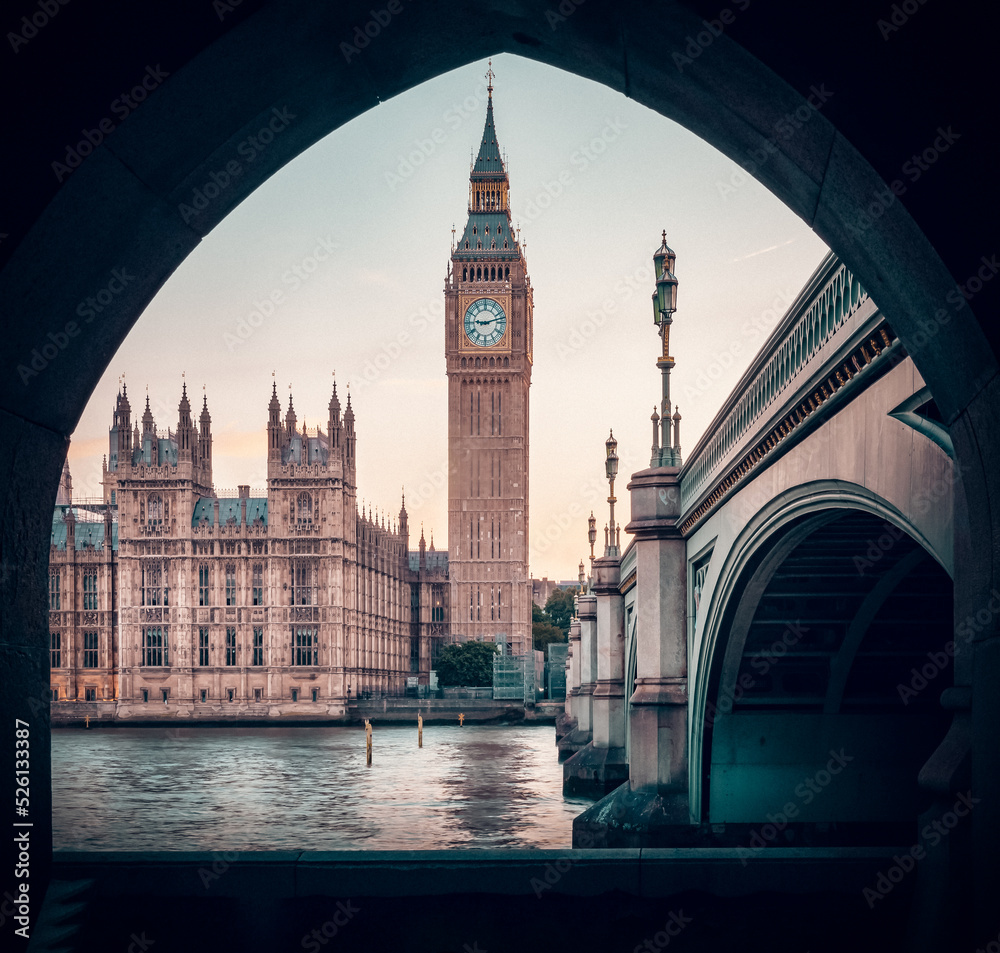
column 168, row 600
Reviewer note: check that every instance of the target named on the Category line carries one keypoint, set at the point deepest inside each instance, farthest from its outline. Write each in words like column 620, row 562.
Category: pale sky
column 626, row 173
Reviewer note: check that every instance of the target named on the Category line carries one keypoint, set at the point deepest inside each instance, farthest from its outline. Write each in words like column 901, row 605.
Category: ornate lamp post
column 668, row 453
column 611, row 468
column 592, row 537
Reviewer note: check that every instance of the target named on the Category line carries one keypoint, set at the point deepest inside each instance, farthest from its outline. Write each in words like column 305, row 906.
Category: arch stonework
column 897, row 475
column 765, row 536
column 127, row 217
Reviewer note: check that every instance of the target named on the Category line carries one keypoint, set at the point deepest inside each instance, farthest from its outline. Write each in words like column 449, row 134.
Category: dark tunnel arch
column 830, row 635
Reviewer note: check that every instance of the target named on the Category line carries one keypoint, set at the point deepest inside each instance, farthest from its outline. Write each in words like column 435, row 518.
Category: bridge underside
column 826, row 698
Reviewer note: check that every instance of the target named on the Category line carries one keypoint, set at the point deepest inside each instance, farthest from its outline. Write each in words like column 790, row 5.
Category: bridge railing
column 823, row 315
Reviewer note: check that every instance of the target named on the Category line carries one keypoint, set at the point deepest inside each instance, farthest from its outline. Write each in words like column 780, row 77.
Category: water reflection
column 308, row 789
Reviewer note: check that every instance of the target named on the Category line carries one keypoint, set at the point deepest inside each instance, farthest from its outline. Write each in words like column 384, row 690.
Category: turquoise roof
column 438, row 559
column 86, row 535
column 311, row 450
column 488, row 228
column 489, row 158
column 229, row 509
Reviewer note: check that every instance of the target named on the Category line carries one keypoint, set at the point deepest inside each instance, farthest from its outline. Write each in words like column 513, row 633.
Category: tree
column 467, row 663
column 551, row 624
column 560, row 608
column 544, row 633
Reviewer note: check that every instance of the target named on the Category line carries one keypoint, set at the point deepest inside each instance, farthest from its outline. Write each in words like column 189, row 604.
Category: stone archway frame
column 121, row 204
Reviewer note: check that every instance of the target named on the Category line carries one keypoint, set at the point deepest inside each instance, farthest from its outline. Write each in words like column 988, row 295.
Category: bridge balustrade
column 820, row 321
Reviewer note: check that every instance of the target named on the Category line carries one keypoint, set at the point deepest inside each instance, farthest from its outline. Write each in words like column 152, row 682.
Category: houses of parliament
column 169, row 600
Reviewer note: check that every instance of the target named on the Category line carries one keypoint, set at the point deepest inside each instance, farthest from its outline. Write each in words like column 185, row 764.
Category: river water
column 309, row 789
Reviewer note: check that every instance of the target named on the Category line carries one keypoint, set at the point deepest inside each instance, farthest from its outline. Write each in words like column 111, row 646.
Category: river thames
column 221, row 788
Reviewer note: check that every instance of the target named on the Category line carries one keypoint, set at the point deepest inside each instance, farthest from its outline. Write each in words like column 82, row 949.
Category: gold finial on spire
column 489, row 78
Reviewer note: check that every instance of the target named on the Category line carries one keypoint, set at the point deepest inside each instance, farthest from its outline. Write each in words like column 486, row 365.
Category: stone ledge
column 570, row 872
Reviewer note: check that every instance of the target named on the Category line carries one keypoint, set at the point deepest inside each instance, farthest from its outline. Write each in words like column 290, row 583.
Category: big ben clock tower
column 488, row 349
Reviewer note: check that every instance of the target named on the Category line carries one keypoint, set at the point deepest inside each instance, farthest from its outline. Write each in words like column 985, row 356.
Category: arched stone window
column 154, row 509
column 304, row 508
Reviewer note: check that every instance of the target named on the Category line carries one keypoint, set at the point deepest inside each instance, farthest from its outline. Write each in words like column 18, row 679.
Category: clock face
column 485, row 322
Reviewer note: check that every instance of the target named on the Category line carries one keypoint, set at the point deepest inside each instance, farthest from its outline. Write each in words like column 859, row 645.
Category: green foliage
column 560, row 608
column 551, row 624
column 469, row 664
column 544, row 633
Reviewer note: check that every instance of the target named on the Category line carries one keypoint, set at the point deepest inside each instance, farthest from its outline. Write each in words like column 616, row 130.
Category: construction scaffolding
column 514, row 677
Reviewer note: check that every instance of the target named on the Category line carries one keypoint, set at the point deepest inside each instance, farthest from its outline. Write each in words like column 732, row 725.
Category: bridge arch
column 828, row 601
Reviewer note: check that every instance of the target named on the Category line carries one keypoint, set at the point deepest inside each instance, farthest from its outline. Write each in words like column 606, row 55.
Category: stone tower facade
column 488, row 346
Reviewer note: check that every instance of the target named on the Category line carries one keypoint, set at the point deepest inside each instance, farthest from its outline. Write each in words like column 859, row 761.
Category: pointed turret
column 148, row 424
column 350, row 440
column 404, row 526
column 205, row 442
column 274, row 426
column 422, row 547
column 150, row 445
column 290, row 419
column 187, row 449
column 120, row 443
column 333, row 422
column 64, row 495
column 488, row 249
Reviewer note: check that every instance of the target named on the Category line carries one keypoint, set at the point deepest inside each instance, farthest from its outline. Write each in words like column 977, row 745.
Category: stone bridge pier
column 651, row 808
column 602, row 764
